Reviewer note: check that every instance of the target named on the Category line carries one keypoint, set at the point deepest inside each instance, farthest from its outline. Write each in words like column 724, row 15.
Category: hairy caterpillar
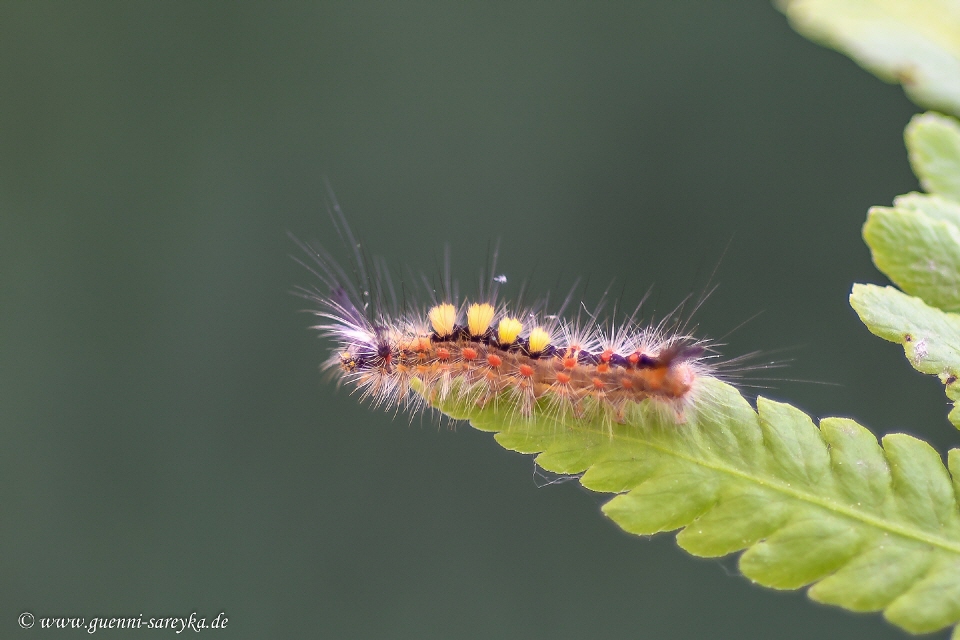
column 405, row 354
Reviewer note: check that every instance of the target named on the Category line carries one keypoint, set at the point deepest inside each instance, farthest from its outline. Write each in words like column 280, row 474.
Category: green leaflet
column 920, row 254
column 930, row 337
column 871, row 526
column 913, row 42
column 933, row 143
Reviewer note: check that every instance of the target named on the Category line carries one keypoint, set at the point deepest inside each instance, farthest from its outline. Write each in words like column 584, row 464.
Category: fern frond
column 871, row 526
column 916, row 243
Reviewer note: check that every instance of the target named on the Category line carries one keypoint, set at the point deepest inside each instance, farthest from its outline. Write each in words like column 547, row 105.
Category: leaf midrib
column 784, row 488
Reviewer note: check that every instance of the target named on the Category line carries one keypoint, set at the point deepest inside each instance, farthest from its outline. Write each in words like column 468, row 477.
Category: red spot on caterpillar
column 603, row 368
column 525, row 370
column 606, row 355
column 494, row 360
column 563, row 378
column 634, row 358
column 597, row 383
column 626, row 383
column 443, row 353
column 569, row 363
column 469, row 353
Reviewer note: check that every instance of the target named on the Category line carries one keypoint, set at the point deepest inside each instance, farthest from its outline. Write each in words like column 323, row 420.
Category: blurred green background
column 168, row 445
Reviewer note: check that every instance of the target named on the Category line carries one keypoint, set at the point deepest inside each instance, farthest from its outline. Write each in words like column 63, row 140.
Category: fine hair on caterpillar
column 407, row 344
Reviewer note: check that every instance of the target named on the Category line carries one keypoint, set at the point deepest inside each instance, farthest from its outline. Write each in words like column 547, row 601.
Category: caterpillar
column 408, row 354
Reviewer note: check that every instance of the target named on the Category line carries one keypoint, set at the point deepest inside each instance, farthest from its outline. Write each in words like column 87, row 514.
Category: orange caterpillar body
column 488, row 362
